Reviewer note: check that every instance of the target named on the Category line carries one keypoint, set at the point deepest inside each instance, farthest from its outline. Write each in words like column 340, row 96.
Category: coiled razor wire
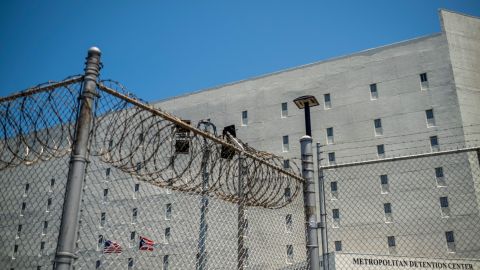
column 144, row 141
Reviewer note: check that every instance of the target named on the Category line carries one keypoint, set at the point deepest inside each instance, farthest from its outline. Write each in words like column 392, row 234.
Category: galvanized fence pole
column 309, row 202
column 64, row 255
column 323, row 214
column 202, row 255
column 241, row 214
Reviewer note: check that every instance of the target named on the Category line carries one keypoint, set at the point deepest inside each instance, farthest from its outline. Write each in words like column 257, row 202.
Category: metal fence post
column 64, row 255
column 241, row 214
column 202, row 256
column 309, row 202
column 323, row 214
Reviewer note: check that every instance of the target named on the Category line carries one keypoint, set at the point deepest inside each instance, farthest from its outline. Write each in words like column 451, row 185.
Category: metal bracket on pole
column 309, row 202
column 65, row 253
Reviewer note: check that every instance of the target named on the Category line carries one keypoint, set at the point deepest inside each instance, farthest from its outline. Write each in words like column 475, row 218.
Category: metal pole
column 241, row 214
column 64, row 255
column 308, row 125
column 202, row 256
column 309, row 202
column 323, row 214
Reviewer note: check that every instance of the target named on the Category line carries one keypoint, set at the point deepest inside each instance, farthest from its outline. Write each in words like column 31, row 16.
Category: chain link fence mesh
column 419, row 212
column 159, row 192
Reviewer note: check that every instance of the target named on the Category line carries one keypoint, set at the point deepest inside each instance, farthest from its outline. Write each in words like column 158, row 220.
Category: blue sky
column 160, row 49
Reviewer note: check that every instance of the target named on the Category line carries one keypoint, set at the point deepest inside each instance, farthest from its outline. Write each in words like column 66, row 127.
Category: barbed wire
column 166, row 151
column 145, row 142
column 37, row 124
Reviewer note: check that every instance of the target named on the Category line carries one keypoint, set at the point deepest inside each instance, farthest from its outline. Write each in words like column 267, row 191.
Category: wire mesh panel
column 35, row 140
column 159, row 192
column 420, row 212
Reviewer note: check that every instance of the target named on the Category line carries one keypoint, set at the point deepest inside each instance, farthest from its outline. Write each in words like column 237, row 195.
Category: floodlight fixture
column 305, row 102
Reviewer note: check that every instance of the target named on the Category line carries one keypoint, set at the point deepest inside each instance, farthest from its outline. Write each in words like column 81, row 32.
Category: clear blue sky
column 160, row 49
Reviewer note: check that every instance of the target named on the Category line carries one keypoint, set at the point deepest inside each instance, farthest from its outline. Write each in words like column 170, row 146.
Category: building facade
column 415, row 96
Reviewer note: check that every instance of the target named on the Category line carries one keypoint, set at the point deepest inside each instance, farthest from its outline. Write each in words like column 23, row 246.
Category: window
column 284, row 109
column 45, row 227
column 15, row 249
column 49, row 204
column 245, row 227
column 434, row 143
column 244, row 118
column 107, row 172
column 333, row 186
column 381, row 151
column 377, row 123
column 327, row 101
column 287, row 194
column 105, row 194
column 423, row 77
column 246, row 255
column 165, row 262
column 384, row 183
column 335, row 218
column 134, row 215
column 373, row 91
column 331, row 158
column 443, row 202
column 52, row 184
column 430, row 118
column 110, row 144
column 100, row 242
column 391, row 241
column 338, row 245
column 330, row 135
column 450, row 241
column 132, row 238
column 286, row 164
column 288, row 222
column 289, row 254
column 286, row 146
column 141, row 137
column 19, row 230
column 335, row 213
column 130, row 263
column 444, row 206
column 167, row 235
column 136, row 188
column 168, row 211
column 98, row 264
column 387, row 208
column 42, row 247
column 102, row 219
column 423, row 81
column 27, row 187
column 139, row 167
column 440, row 178
column 24, row 206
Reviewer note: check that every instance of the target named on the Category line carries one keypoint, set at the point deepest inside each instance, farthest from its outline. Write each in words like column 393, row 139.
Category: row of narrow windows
column 378, row 131
column 327, row 99
column 391, row 242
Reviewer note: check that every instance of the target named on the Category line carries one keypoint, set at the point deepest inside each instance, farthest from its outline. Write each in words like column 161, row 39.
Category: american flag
column 112, row 247
column 146, row 244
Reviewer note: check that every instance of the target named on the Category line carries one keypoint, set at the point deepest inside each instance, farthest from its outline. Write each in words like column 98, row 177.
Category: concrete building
column 414, row 96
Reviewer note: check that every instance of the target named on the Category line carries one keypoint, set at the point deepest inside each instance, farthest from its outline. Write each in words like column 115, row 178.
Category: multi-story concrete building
column 414, row 96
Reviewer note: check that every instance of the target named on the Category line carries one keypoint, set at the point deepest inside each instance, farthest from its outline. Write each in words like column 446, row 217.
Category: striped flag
column 112, row 247
column 146, row 244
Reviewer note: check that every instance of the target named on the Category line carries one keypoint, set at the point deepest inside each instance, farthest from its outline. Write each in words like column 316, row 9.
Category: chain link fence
column 417, row 212
column 159, row 192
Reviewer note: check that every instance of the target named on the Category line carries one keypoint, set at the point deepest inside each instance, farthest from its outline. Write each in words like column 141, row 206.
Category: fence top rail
column 179, row 122
column 391, row 159
column 49, row 86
